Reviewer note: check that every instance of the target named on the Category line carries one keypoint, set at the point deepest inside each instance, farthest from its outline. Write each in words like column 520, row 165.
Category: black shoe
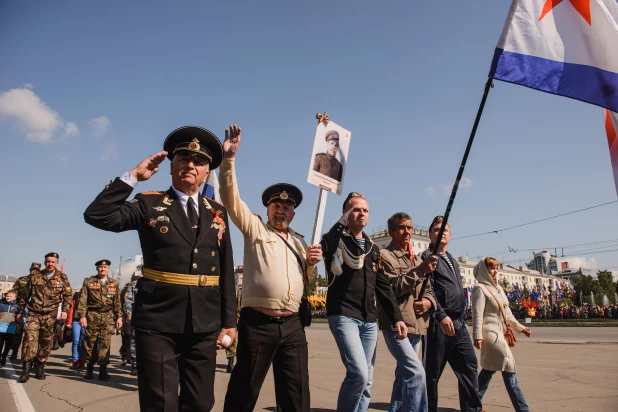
column 103, row 375
column 25, row 375
column 230, row 365
column 89, row 371
column 13, row 355
column 134, row 371
column 39, row 373
column 3, row 361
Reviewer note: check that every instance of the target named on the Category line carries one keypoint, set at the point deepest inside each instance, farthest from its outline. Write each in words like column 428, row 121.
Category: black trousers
column 165, row 360
column 458, row 351
column 125, row 350
column 263, row 341
column 6, row 341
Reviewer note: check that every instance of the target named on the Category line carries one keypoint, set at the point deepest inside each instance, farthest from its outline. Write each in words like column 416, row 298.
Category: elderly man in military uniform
column 327, row 163
column 20, row 287
column 186, row 294
column 278, row 265
column 99, row 303
column 129, row 331
column 44, row 293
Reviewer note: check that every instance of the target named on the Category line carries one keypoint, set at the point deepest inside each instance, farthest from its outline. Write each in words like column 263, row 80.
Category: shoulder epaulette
column 213, row 201
column 301, row 235
column 152, row 193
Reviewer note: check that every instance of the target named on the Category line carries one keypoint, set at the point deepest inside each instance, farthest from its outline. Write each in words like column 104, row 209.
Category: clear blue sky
column 91, row 88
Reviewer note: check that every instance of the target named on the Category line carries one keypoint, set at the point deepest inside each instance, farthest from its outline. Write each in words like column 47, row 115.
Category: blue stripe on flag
column 211, row 187
column 208, row 191
column 586, row 83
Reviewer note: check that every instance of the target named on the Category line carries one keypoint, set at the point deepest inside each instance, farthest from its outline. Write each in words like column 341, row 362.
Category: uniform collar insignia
column 167, row 200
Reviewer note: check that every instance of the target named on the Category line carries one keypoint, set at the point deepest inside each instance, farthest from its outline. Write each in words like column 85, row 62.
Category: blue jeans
column 512, row 387
column 78, row 342
column 409, row 389
column 357, row 341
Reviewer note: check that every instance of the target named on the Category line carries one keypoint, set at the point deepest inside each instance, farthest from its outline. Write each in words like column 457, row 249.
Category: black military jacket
column 170, row 245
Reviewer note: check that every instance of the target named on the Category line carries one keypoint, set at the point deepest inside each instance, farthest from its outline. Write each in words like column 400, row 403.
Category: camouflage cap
column 35, row 265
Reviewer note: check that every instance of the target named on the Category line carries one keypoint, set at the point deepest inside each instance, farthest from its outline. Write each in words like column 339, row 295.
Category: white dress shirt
column 183, row 197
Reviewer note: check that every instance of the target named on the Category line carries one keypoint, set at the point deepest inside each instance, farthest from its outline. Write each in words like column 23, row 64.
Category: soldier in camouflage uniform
column 45, row 292
column 20, row 287
column 99, row 303
column 127, row 307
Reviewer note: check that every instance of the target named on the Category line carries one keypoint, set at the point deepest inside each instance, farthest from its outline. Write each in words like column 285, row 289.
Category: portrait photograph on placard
column 329, row 157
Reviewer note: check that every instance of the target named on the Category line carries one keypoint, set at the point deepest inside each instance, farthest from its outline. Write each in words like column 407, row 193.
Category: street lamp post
column 120, row 268
column 551, row 304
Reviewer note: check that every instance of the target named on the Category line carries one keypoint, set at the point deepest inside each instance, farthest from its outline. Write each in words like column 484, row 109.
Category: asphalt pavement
column 559, row 369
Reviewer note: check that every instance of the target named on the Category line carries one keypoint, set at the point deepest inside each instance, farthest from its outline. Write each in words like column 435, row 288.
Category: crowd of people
column 185, row 305
column 585, row 311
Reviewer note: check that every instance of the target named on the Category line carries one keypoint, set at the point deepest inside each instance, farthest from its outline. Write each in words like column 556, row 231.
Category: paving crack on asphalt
column 41, row 389
column 324, row 389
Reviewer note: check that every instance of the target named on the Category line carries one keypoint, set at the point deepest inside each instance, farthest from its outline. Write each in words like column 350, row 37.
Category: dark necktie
column 192, row 214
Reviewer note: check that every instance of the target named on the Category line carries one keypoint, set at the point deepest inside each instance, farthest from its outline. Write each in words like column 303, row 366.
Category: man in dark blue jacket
column 448, row 337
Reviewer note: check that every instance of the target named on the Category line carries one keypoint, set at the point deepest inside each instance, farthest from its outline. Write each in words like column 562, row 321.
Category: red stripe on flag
column 609, row 127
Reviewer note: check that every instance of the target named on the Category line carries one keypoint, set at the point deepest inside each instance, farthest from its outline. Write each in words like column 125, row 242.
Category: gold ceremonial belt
column 180, row 279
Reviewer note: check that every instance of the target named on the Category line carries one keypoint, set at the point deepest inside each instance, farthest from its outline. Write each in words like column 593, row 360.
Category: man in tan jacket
column 406, row 272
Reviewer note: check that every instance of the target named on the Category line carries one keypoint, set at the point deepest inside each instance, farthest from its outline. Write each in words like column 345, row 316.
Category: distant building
column 514, row 276
column 6, row 283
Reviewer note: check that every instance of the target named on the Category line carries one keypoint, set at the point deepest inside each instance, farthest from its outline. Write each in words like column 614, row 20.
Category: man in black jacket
column 448, row 337
column 187, row 292
column 356, row 278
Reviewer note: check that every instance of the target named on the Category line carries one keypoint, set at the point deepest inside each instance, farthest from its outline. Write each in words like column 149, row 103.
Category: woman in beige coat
column 488, row 332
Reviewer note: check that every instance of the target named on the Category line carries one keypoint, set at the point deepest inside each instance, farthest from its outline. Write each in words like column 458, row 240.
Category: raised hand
column 148, row 167
column 232, row 141
column 344, row 218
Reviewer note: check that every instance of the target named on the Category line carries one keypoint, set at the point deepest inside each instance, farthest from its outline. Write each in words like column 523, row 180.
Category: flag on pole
column 611, row 126
column 568, row 48
column 62, row 267
column 211, row 187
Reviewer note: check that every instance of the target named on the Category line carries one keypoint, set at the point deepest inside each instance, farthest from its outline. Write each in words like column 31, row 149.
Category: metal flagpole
column 434, row 251
column 319, row 213
column 319, row 217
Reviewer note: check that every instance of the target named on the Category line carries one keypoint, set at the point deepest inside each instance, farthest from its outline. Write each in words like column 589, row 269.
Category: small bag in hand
column 305, row 310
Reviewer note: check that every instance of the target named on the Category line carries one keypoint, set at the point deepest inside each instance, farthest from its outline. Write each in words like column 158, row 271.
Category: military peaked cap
column 103, row 262
column 331, row 135
column 195, row 141
column 52, row 254
column 282, row 191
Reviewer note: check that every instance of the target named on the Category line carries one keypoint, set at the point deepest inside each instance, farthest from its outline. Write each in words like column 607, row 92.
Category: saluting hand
column 314, row 254
column 345, row 217
column 232, row 141
column 148, row 167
